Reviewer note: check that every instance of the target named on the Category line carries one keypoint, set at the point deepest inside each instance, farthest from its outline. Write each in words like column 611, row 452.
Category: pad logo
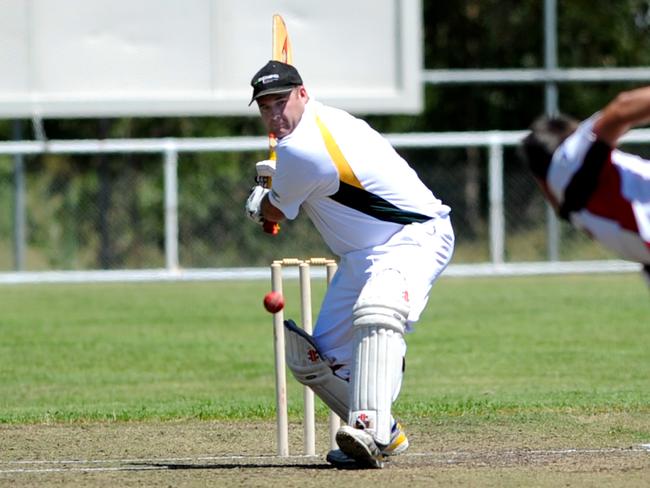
column 312, row 354
column 363, row 422
column 405, row 295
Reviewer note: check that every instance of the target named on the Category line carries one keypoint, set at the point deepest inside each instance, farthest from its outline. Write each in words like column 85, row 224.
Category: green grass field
column 506, row 347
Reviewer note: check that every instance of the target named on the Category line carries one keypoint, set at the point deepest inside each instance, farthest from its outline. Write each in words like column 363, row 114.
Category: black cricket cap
column 274, row 77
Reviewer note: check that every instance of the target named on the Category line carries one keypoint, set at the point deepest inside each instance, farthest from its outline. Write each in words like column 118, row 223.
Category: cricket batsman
column 393, row 237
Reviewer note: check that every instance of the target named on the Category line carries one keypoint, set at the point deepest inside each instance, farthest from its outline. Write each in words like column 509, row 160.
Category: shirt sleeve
column 301, row 175
column 568, row 158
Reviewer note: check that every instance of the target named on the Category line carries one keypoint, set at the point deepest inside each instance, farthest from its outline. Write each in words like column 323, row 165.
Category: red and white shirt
column 604, row 192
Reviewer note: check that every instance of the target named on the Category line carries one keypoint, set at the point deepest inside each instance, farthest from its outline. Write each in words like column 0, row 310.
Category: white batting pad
column 379, row 318
column 309, row 368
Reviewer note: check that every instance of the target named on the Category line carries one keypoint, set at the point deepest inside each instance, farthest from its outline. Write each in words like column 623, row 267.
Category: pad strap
column 308, row 367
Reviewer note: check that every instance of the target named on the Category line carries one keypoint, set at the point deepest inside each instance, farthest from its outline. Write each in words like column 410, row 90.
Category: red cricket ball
column 273, row 301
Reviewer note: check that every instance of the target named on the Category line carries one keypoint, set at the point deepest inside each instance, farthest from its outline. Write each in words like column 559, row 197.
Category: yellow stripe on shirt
column 352, row 194
column 346, row 174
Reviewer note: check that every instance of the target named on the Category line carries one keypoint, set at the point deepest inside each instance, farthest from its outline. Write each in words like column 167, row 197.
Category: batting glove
column 254, row 204
column 265, row 172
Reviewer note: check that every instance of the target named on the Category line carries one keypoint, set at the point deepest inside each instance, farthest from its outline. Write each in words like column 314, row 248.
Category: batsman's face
column 282, row 112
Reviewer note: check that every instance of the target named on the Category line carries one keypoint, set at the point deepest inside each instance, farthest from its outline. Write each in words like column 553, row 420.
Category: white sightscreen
column 70, row 58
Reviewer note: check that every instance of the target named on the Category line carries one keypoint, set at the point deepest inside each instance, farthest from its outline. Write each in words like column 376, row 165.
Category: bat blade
column 282, row 50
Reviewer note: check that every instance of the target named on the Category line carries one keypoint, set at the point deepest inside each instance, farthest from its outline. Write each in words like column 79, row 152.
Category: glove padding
column 265, row 172
column 265, row 168
column 254, row 204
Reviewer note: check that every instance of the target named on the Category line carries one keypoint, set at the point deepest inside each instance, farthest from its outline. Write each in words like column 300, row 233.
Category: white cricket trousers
column 420, row 251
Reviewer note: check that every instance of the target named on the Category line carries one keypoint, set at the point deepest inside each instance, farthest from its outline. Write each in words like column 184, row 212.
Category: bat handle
column 273, row 142
column 269, row 227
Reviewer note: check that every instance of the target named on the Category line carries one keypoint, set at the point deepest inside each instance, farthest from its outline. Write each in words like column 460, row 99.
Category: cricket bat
column 281, row 50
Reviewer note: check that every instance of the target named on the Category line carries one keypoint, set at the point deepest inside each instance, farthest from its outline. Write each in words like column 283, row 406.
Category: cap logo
column 268, row 79
column 274, row 77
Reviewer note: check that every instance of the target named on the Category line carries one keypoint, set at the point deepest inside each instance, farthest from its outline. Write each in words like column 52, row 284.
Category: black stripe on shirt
column 375, row 206
column 585, row 180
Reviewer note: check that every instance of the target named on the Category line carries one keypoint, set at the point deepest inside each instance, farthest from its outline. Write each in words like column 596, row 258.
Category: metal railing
column 170, row 148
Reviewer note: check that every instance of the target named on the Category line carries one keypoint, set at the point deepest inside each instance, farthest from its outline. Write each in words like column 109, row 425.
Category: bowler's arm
column 629, row 109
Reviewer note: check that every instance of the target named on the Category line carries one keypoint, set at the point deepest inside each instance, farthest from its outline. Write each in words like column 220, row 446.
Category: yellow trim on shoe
column 398, row 445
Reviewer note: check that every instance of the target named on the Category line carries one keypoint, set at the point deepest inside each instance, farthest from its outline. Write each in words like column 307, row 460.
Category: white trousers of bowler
column 421, row 252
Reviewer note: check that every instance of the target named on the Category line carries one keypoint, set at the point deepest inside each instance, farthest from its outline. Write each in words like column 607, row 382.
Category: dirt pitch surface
column 207, row 453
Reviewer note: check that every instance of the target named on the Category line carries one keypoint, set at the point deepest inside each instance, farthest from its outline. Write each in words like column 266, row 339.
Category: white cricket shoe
column 399, row 443
column 360, row 446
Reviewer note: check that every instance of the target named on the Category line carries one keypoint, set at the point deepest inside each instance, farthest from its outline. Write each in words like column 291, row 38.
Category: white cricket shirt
column 349, row 180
